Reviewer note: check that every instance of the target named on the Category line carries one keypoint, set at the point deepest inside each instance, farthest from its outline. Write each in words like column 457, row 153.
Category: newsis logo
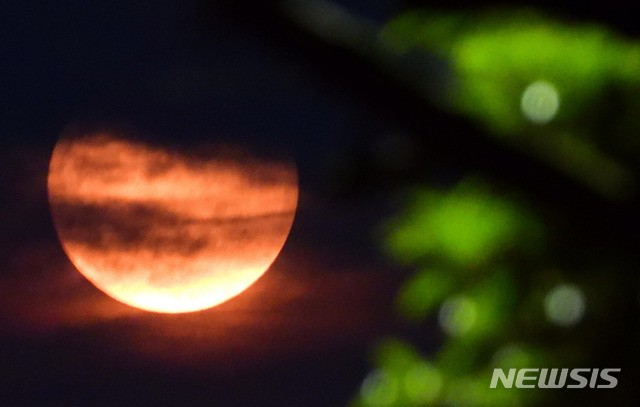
column 544, row 378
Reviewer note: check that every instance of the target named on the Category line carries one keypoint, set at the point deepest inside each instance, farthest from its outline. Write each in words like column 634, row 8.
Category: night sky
column 183, row 73
column 179, row 73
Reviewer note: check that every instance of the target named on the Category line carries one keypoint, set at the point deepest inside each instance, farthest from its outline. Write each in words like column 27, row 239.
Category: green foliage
column 471, row 234
column 403, row 378
column 481, row 259
column 423, row 292
column 496, row 58
column 466, row 226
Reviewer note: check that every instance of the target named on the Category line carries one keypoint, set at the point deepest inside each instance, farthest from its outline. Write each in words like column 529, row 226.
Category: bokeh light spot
column 458, row 315
column 565, row 305
column 379, row 389
column 422, row 293
column 540, row 102
column 422, row 383
column 512, row 356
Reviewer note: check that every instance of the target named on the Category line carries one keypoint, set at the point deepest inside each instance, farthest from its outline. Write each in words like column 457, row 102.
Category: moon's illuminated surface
column 165, row 231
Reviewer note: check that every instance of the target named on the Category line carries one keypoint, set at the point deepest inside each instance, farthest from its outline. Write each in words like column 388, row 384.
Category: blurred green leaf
column 465, row 227
column 496, row 55
column 500, row 59
column 423, row 292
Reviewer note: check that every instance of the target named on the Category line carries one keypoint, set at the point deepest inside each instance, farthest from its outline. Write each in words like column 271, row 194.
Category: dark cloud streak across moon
column 309, row 302
column 164, row 231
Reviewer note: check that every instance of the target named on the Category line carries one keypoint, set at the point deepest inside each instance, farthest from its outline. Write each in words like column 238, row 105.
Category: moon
column 165, row 230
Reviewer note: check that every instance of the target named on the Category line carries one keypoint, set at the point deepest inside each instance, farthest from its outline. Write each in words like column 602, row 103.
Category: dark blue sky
column 176, row 71
column 184, row 71
column 171, row 69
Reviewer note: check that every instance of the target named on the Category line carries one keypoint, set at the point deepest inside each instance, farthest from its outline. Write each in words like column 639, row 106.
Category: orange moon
column 168, row 231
